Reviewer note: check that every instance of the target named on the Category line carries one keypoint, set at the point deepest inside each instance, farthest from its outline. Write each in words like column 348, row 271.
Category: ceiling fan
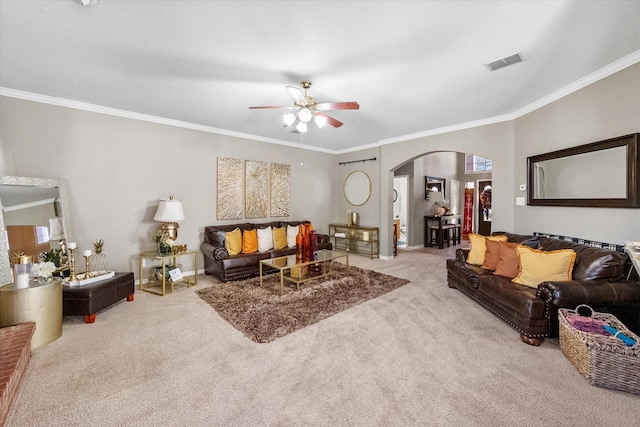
column 308, row 109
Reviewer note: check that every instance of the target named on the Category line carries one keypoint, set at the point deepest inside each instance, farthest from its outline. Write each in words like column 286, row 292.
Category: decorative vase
column 299, row 244
column 306, row 243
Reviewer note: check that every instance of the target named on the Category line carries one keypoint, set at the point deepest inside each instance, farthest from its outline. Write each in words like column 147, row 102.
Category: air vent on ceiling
column 505, row 62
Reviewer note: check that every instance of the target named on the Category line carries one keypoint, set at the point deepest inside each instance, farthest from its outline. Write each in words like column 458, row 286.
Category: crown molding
column 84, row 106
column 600, row 74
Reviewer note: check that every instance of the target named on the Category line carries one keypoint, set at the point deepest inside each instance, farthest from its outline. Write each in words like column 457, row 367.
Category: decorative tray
column 88, row 280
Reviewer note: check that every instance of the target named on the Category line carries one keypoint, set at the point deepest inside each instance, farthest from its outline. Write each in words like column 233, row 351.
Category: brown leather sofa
column 219, row 263
column 598, row 280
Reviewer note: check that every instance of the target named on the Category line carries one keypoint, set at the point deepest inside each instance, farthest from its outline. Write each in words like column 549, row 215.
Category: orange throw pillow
column 491, row 255
column 249, row 241
column 508, row 264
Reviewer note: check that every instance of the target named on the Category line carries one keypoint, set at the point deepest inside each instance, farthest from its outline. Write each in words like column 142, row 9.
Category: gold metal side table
column 166, row 260
column 40, row 303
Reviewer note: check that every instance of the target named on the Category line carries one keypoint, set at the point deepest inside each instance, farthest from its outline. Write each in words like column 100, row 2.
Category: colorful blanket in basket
column 587, row 324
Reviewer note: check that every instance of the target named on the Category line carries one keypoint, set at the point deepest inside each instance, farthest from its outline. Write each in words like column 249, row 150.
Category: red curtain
column 467, row 225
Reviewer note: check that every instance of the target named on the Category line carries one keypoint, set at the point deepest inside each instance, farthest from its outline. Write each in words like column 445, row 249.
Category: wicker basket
column 604, row 360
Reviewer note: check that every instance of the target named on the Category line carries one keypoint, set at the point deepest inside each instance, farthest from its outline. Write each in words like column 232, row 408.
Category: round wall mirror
column 357, row 188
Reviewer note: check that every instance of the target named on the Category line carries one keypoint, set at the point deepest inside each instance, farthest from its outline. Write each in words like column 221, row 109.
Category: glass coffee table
column 297, row 272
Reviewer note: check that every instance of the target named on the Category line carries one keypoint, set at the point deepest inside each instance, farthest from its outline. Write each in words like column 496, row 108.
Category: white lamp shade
column 55, row 228
column 169, row 210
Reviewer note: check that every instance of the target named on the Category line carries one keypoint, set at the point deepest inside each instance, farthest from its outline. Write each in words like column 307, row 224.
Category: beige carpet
column 422, row 354
column 264, row 313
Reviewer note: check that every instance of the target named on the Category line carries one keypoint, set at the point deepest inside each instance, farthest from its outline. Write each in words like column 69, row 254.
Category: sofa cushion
column 244, row 260
column 292, row 232
column 249, row 241
column 537, row 266
column 508, row 264
column 233, row 241
column 479, row 247
column 517, row 299
column 467, row 274
column 279, row 238
column 265, row 239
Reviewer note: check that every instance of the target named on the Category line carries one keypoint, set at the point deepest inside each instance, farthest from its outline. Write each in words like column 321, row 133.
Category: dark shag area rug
column 263, row 315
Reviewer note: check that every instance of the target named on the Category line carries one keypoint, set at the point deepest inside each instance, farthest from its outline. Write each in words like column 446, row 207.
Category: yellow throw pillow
column 249, row 241
column 538, row 266
column 479, row 247
column 279, row 238
column 233, row 241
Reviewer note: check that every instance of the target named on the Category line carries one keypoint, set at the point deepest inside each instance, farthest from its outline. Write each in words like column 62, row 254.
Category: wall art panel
column 229, row 188
column 280, row 189
column 256, row 189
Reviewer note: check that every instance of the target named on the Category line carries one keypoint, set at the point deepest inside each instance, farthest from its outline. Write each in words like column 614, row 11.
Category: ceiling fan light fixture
column 320, row 120
column 289, row 119
column 305, row 115
column 301, row 127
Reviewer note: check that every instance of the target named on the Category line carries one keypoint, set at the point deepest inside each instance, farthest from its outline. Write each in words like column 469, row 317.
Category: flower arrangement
column 162, row 238
column 54, row 256
column 43, row 270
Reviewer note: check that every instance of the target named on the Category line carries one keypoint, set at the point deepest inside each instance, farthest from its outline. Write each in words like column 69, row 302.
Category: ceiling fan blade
column 326, row 106
column 297, row 94
column 333, row 122
column 272, row 106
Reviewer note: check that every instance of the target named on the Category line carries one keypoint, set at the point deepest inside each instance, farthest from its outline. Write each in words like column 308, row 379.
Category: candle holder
column 87, row 273
column 72, row 265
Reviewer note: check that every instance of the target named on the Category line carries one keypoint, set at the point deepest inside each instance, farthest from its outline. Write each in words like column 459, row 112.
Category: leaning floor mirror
column 32, row 202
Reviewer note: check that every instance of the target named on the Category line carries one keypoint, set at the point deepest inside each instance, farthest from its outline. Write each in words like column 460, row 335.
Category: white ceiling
column 415, row 67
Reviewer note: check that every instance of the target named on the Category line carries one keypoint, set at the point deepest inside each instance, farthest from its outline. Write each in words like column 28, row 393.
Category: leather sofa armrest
column 569, row 294
column 461, row 254
column 213, row 251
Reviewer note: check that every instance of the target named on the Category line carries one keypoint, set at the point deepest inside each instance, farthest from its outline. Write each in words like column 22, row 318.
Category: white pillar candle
column 86, row 253
column 22, row 281
column 71, row 245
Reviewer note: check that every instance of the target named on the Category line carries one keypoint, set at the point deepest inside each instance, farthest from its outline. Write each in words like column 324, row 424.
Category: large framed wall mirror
column 357, row 188
column 34, row 202
column 600, row 174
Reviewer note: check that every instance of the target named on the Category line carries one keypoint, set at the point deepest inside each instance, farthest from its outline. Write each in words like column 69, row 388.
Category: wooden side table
column 166, row 260
column 38, row 303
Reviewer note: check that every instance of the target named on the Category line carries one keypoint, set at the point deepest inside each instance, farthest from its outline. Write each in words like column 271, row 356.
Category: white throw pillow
column 292, row 232
column 265, row 239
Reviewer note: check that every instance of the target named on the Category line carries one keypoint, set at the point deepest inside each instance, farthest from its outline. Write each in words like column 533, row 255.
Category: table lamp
column 169, row 211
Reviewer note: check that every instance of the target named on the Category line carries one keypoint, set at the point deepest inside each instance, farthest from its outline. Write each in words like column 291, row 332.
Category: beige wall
column 602, row 110
column 118, row 169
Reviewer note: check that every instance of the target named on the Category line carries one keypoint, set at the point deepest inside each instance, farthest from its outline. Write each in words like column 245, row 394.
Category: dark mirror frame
column 633, row 175
column 434, row 181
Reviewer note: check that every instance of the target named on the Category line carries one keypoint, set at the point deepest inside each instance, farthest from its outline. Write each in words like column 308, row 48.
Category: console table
column 357, row 239
column 440, row 220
